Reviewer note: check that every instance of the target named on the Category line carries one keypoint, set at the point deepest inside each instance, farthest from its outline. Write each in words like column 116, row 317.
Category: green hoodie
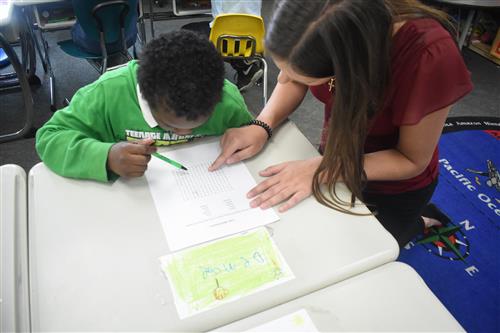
column 76, row 140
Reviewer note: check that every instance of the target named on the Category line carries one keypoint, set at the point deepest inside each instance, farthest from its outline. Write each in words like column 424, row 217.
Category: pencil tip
column 184, row 168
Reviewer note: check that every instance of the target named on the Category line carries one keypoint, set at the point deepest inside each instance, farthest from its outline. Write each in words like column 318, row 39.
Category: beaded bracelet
column 262, row 124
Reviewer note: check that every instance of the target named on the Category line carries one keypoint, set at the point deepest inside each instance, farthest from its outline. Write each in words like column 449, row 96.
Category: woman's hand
column 241, row 143
column 289, row 181
column 238, row 144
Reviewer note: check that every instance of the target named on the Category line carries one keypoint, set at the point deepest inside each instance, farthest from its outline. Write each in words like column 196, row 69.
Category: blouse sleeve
column 435, row 80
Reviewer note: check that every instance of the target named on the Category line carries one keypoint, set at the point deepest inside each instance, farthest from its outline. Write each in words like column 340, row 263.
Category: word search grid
column 196, row 206
column 212, row 182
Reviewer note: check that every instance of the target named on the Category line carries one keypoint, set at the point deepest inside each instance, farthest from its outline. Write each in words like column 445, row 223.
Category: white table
column 14, row 305
column 5, row 13
column 94, row 251
column 390, row 298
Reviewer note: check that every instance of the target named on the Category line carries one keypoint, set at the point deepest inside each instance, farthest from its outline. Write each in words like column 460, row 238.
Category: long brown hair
column 351, row 40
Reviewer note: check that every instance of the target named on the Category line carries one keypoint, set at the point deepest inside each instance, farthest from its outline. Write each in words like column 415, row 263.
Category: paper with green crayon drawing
column 223, row 271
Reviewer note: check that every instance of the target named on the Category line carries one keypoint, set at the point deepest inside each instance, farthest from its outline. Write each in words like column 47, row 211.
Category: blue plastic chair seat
column 4, row 60
column 69, row 47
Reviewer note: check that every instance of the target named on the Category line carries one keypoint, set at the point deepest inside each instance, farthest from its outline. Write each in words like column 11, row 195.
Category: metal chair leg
column 25, row 89
column 104, row 67
column 52, row 86
column 142, row 32
column 466, row 27
column 40, row 54
column 28, row 49
column 151, row 19
column 141, row 24
column 134, row 52
column 48, row 65
column 264, row 86
column 29, row 18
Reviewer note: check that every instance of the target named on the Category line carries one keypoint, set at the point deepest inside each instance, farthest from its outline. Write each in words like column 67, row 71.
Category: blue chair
column 4, row 59
column 105, row 29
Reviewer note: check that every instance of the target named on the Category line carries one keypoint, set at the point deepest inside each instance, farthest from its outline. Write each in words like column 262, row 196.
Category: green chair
column 103, row 22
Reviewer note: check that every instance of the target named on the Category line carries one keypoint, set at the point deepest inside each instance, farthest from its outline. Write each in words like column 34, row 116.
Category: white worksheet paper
column 298, row 321
column 197, row 206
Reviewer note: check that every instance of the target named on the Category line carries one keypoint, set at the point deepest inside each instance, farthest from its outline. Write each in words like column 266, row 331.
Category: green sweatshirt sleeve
column 240, row 114
column 76, row 140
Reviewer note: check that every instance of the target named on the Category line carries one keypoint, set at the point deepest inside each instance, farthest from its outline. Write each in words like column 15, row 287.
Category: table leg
column 30, row 22
column 28, row 48
column 151, row 18
column 141, row 23
column 52, row 79
column 466, row 27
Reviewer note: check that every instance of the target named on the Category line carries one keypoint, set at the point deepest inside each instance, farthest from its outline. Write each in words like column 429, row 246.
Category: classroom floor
column 72, row 73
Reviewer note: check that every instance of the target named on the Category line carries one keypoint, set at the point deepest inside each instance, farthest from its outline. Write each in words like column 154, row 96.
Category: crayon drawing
column 222, row 271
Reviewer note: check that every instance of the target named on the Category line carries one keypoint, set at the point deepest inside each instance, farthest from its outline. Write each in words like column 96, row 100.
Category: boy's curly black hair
column 181, row 72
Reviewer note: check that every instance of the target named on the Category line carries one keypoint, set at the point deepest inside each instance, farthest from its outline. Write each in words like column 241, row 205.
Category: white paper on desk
column 298, row 321
column 197, row 206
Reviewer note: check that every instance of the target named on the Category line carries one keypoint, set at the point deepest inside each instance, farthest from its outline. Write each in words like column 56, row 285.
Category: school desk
column 471, row 6
column 37, row 13
column 390, row 298
column 94, row 248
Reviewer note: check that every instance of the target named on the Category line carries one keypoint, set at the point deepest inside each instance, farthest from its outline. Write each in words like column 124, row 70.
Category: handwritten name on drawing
column 256, row 259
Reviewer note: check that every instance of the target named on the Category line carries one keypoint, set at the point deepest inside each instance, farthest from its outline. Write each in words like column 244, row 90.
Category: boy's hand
column 130, row 159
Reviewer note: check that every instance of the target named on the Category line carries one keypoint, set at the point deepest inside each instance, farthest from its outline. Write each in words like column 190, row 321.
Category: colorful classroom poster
column 299, row 321
column 209, row 275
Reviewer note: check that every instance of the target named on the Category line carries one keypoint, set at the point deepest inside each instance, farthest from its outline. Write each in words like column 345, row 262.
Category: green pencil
column 169, row 161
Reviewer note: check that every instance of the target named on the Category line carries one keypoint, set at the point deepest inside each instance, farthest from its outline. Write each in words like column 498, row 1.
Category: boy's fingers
column 145, row 142
column 135, row 174
column 150, row 149
column 141, row 149
column 136, row 169
column 139, row 160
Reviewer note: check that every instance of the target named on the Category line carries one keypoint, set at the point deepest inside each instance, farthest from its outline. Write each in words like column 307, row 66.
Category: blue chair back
column 108, row 16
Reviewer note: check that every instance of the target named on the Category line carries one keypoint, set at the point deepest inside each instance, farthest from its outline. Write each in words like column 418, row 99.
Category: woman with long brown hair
column 388, row 72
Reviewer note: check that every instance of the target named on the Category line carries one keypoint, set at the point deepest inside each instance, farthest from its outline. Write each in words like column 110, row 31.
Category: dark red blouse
column 427, row 74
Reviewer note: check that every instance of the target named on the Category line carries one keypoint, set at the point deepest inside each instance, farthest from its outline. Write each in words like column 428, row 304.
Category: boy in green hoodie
column 176, row 93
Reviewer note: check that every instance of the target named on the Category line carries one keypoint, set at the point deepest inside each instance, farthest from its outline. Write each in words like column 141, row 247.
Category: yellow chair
column 240, row 36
